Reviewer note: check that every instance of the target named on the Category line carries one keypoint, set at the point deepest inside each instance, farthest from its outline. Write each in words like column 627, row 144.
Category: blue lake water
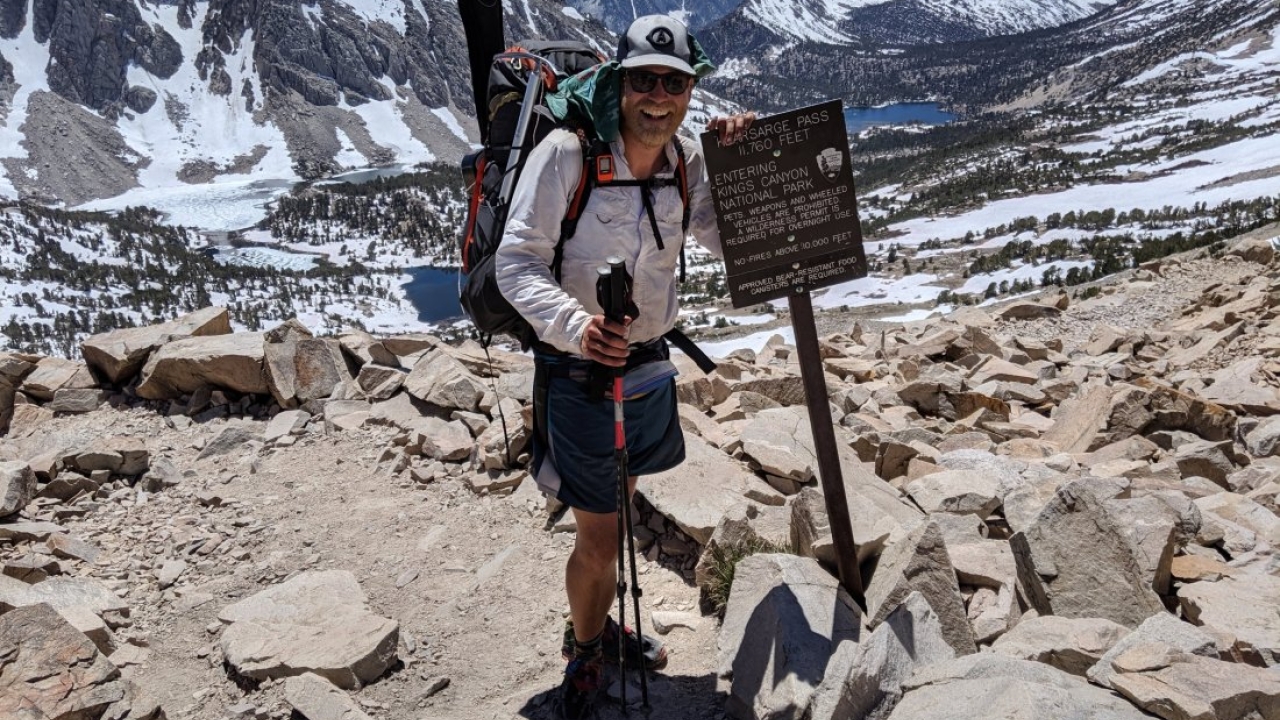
column 434, row 292
column 359, row 177
column 858, row 119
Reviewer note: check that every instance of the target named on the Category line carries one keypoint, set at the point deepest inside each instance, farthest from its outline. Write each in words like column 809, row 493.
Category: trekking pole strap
column 690, row 348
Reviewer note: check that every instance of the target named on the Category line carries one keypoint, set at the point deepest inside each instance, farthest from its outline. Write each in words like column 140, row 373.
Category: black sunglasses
column 643, row 81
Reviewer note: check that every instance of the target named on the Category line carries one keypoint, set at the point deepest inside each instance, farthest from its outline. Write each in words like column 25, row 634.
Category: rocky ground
column 213, row 515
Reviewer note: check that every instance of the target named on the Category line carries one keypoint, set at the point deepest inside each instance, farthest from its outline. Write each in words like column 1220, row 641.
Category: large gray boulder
column 380, row 382
column 1207, row 459
column 1234, row 388
column 365, row 349
column 1072, row 645
column 918, row 562
column 1243, row 606
column 499, row 446
column 118, row 355
column 300, row 369
column 956, row 491
column 774, row 441
column 122, row 454
column 317, row 622
column 233, row 362
column 437, row 378
column 319, row 367
column 17, row 487
column 876, row 509
column 697, row 507
column 1179, row 686
column 1079, row 420
column 1264, row 439
column 1163, row 629
column 315, row 698
column 987, row 685
column 1074, row 549
column 63, row 593
column 1154, row 527
column 280, row 345
column 785, row 619
column 52, row 374
column 864, row 680
column 48, row 669
column 13, row 368
column 444, row 440
column 1244, row 512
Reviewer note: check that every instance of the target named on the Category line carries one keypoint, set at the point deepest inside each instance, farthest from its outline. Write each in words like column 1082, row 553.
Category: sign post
column 788, row 220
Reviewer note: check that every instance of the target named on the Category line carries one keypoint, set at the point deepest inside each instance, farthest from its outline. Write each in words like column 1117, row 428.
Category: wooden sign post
column 788, row 220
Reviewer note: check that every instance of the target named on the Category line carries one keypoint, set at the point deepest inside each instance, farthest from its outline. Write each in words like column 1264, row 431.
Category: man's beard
column 649, row 130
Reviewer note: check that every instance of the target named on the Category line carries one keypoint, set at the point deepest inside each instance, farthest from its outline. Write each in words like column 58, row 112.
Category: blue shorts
column 573, row 455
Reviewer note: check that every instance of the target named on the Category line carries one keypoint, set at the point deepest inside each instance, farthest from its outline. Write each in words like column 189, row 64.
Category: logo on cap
column 661, row 37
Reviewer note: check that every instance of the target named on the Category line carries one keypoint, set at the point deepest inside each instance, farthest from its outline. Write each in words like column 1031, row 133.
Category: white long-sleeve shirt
column 614, row 222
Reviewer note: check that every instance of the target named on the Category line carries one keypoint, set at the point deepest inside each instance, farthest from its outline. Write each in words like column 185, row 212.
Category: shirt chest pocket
column 610, row 207
column 668, row 206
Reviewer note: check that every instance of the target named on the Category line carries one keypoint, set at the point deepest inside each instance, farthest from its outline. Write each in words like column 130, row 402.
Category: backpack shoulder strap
column 682, row 182
column 594, row 154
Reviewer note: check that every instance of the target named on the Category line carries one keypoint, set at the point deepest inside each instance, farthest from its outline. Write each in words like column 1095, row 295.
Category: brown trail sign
column 788, row 220
column 785, row 205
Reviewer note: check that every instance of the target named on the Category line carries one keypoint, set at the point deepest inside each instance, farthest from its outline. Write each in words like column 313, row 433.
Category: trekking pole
column 616, row 311
column 605, row 276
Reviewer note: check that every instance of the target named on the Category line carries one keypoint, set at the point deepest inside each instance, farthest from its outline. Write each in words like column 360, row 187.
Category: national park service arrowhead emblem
column 830, row 161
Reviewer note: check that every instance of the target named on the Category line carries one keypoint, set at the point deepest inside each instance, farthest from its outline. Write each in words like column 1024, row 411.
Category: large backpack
column 519, row 119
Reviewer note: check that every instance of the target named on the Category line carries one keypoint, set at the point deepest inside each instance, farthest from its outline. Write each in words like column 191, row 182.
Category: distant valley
column 1084, row 146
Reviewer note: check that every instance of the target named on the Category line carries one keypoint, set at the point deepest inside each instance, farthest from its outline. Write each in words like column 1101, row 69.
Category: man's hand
column 732, row 128
column 605, row 341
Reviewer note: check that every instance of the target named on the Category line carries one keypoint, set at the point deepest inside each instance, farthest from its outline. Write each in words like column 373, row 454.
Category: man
column 652, row 76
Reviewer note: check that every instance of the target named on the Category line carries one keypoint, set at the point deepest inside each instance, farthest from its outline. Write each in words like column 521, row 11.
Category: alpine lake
column 434, row 291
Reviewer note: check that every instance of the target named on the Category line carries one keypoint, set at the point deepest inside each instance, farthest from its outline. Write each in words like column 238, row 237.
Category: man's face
column 651, row 118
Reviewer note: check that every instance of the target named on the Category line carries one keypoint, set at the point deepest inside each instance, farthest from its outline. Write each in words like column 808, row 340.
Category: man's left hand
column 732, row 128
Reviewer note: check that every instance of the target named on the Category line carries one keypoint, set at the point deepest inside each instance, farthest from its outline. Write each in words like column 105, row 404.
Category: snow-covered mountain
column 101, row 96
column 617, row 14
column 1071, row 62
column 763, row 23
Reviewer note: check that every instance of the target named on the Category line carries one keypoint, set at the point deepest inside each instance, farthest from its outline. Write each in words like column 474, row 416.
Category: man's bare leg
column 591, row 576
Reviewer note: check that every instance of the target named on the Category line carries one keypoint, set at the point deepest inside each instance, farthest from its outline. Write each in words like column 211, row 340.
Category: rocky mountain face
column 104, row 95
column 617, row 14
column 889, row 22
column 1085, row 60
column 1061, row 505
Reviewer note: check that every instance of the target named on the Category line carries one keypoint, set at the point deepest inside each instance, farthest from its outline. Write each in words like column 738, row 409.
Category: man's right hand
column 605, row 341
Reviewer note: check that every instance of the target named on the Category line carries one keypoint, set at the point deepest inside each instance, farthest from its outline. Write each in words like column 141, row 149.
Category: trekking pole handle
column 617, row 289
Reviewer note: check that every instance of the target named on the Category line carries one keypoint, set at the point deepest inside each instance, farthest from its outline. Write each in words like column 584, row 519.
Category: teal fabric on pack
column 595, row 94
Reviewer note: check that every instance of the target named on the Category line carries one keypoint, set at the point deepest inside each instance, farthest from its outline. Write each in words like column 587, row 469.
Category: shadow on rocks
column 671, row 697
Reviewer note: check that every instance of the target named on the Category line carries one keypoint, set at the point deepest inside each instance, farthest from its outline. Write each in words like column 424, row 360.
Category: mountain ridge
column 166, row 93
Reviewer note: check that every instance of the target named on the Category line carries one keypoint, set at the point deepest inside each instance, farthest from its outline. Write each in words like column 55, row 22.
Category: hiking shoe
column 582, row 681
column 654, row 654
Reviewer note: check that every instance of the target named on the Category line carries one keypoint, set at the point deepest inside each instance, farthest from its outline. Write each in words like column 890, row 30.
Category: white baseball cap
column 657, row 40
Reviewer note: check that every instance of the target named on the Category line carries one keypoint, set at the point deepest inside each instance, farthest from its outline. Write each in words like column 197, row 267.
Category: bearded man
column 640, row 218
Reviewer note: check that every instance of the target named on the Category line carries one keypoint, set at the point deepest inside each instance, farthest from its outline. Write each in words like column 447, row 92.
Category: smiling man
column 637, row 213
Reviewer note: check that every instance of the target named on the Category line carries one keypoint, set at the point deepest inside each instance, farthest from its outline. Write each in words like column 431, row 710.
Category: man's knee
column 597, row 541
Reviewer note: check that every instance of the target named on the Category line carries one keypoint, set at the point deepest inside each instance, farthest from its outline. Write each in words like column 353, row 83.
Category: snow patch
column 29, row 60
column 371, row 11
column 348, row 156
column 451, row 121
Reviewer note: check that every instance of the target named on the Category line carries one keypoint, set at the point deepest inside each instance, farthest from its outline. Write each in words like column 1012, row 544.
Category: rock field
column 1063, row 508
